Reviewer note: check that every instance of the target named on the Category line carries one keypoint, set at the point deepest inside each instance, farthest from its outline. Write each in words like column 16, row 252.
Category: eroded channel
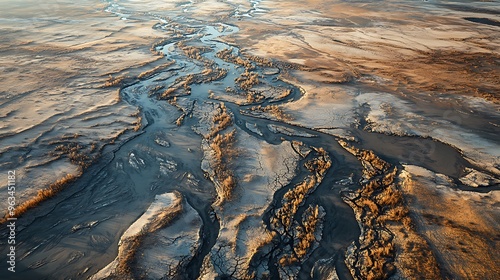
column 76, row 234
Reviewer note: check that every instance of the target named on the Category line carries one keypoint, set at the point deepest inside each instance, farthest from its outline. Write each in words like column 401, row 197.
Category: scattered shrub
column 42, row 195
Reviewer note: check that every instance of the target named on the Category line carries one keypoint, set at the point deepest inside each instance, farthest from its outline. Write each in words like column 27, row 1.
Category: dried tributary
column 76, row 233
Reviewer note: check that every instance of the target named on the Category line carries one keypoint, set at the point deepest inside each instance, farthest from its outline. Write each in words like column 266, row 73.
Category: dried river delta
column 250, row 139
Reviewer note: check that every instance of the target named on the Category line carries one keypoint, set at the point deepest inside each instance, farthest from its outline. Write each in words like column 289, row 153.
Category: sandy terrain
column 165, row 237
column 54, row 75
column 251, row 139
column 464, row 237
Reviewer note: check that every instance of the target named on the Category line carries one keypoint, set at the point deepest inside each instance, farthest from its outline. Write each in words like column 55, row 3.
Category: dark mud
column 486, row 21
column 76, row 233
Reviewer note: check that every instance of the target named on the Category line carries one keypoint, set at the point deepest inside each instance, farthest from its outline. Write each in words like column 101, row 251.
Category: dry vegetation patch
column 227, row 55
column 147, row 74
column 194, row 52
column 247, row 80
column 388, row 239
column 274, row 110
column 222, row 153
column 300, row 233
column 221, row 120
column 131, row 245
column 305, row 236
column 115, row 81
column 42, row 195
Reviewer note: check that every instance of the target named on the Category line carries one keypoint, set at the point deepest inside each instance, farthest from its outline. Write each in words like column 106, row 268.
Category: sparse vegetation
column 147, row 74
column 223, row 153
column 294, row 197
column 292, row 201
column 274, row 110
column 305, row 236
column 167, row 93
column 138, row 124
column 180, row 120
column 247, row 80
column 320, row 164
column 42, row 195
column 173, row 101
column 253, row 96
column 74, row 153
column 221, row 120
column 261, row 61
column 227, row 55
column 185, row 82
column 284, row 222
column 114, row 81
column 156, row 89
column 193, row 52
column 379, row 205
column 131, row 245
column 78, row 155
column 284, row 94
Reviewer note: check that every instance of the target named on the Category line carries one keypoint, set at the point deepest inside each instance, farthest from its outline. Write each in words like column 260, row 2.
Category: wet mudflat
column 210, row 88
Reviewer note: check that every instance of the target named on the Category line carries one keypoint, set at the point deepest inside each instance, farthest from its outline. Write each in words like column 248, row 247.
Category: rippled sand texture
column 58, row 108
column 251, row 139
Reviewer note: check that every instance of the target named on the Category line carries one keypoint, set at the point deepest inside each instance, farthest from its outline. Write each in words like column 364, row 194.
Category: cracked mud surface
column 252, row 139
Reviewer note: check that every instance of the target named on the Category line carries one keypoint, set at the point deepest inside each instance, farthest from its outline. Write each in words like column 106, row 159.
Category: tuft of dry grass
column 274, row 110
column 221, row 120
column 188, row 81
column 168, row 92
column 138, row 124
column 254, row 97
column 180, row 120
column 261, row 61
column 227, row 55
column 127, row 260
column 42, row 195
column 114, row 81
column 146, row 74
column 247, row 80
column 193, row 52
column 223, row 149
column 278, row 113
column 75, row 154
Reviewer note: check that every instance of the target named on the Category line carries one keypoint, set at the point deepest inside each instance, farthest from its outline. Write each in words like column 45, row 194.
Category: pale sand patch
column 52, row 77
column 389, row 114
column 464, row 240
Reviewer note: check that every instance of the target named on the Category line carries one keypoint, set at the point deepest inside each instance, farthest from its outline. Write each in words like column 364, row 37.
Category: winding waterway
column 75, row 234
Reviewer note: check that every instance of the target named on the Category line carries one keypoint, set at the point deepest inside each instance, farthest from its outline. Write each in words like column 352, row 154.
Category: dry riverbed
column 251, row 139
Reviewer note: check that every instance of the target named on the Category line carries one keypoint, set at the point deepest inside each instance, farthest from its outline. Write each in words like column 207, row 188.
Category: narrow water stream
column 76, row 234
